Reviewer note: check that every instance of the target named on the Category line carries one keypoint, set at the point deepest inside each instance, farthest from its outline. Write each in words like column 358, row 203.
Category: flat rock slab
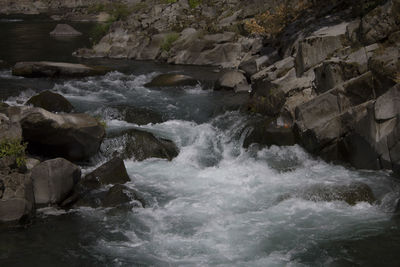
column 55, row 69
column 65, row 30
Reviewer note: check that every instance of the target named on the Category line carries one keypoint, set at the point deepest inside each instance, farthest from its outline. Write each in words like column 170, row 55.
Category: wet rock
column 50, row 101
column 142, row 145
column 266, row 132
column 266, row 98
column 120, row 195
column 351, row 194
column 16, row 197
column 55, row 69
column 139, row 116
column 76, row 137
column 112, row 172
column 172, row 80
column 233, row 80
column 53, row 180
column 64, row 30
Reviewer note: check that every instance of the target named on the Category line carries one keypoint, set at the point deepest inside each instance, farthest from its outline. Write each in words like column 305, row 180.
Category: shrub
column 13, row 148
column 274, row 21
column 169, row 40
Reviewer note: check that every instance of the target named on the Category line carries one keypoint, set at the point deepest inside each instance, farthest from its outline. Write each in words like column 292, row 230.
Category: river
column 215, row 204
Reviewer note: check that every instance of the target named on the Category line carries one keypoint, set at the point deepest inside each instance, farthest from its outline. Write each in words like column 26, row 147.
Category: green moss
column 194, row 3
column 14, row 148
column 169, row 40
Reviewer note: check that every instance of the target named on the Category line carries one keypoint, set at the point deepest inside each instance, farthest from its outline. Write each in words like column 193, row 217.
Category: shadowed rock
column 112, row 172
column 50, row 101
column 55, row 69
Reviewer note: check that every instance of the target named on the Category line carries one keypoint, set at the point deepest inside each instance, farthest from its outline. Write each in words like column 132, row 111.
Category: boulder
column 351, row 194
column 142, row 145
column 119, row 195
column 16, row 197
column 266, row 98
column 50, row 101
column 76, row 137
column 53, row 180
column 55, row 69
column 233, row 80
column 139, row 116
column 64, row 30
column 111, row 172
column 172, row 80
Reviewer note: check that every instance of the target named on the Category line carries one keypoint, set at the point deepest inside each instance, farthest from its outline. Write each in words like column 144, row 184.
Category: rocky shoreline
column 328, row 83
column 40, row 150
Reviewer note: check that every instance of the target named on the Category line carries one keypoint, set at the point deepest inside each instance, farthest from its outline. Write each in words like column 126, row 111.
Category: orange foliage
column 273, row 22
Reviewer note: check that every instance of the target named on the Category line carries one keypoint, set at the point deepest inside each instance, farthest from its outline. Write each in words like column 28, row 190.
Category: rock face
column 55, row 69
column 53, row 180
column 64, row 30
column 51, row 102
column 74, row 136
column 16, row 197
column 112, row 172
column 172, row 80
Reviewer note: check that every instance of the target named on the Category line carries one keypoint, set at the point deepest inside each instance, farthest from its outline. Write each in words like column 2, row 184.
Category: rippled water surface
column 216, row 204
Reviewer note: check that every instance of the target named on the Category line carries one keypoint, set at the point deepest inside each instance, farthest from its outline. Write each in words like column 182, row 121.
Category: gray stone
column 53, row 180
column 319, row 46
column 64, row 30
column 50, row 101
column 111, row 172
column 233, row 80
column 16, row 197
column 9, row 130
column 387, row 106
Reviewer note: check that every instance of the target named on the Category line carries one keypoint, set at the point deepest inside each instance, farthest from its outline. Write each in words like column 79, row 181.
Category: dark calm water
column 215, row 204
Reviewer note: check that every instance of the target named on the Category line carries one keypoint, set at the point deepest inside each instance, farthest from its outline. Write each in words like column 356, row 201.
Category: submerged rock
column 112, row 172
column 172, row 80
column 65, row 30
column 121, row 194
column 50, row 101
column 55, row 69
column 53, row 180
column 351, row 193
